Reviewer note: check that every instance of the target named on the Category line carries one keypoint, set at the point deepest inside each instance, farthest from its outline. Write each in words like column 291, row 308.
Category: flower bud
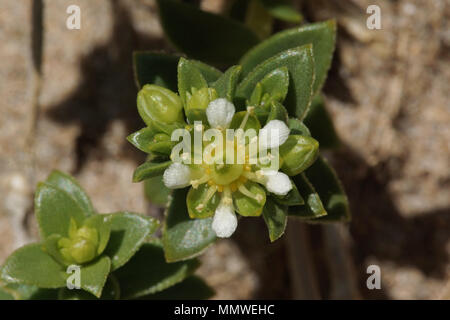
column 81, row 246
column 298, row 153
column 197, row 102
column 158, row 104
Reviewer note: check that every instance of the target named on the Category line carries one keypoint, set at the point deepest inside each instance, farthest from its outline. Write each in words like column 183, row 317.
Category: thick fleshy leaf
column 282, row 10
column 70, row 185
column 149, row 170
column 93, row 275
column 156, row 191
column 248, row 206
column 298, row 127
column 192, row 288
column 29, row 292
column 162, row 147
column 321, row 125
column 313, row 207
column 101, row 223
column 204, row 36
column 142, row 139
column 275, row 85
column 277, row 112
column 51, row 247
column 32, row 266
column 210, row 73
column 54, row 209
column 150, row 141
column 226, row 84
column 128, row 233
column 155, row 68
column 300, row 64
column 275, row 216
column 111, row 291
column 197, row 205
column 161, row 69
column 325, row 181
column 148, row 272
column 252, row 122
column 189, row 77
column 183, row 237
column 321, row 35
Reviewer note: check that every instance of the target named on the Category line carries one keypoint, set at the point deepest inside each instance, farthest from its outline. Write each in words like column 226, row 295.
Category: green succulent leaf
column 111, row 291
column 275, row 85
column 101, row 223
column 192, row 288
column 54, row 210
column 128, row 233
column 197, row 197
column 252, row 121
column 68, row 184
column 282, row 10
column 29, row 292
column 208, row 72
column 189, row 77
column 161, row 69
column 298, row 127
column 298, row 153
column 93, row 276
column 321, row 125
column 156, row 191
column 275, row 216
column 300, row 64
column 204, row 36
column 277, row 112
column 325, row 181
column 183, row 237
column 321, row 35
column 32, row 266
column 162, row 147
column 313, row 207
column 155, row 68
column 149, row 170
column 226, row 84
column 51, row 247
column 247, row 206
column 142, row 139
column 148, row 272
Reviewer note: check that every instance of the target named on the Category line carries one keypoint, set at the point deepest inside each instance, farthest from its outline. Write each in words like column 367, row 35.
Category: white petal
column 225, row 221
column 219, row 113
column 278, row 183
column 177, row 175
column 273, row 134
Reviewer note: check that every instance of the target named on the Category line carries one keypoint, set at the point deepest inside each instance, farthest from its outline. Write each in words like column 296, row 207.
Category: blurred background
column 68, row 102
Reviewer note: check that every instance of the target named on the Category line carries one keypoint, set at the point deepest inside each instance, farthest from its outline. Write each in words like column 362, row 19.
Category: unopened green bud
column 298, row 153
column 81, row 246
column 158, row 104
column 197, row 102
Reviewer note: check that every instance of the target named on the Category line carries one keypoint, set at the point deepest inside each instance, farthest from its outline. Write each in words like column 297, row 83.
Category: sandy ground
column 388, row 91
